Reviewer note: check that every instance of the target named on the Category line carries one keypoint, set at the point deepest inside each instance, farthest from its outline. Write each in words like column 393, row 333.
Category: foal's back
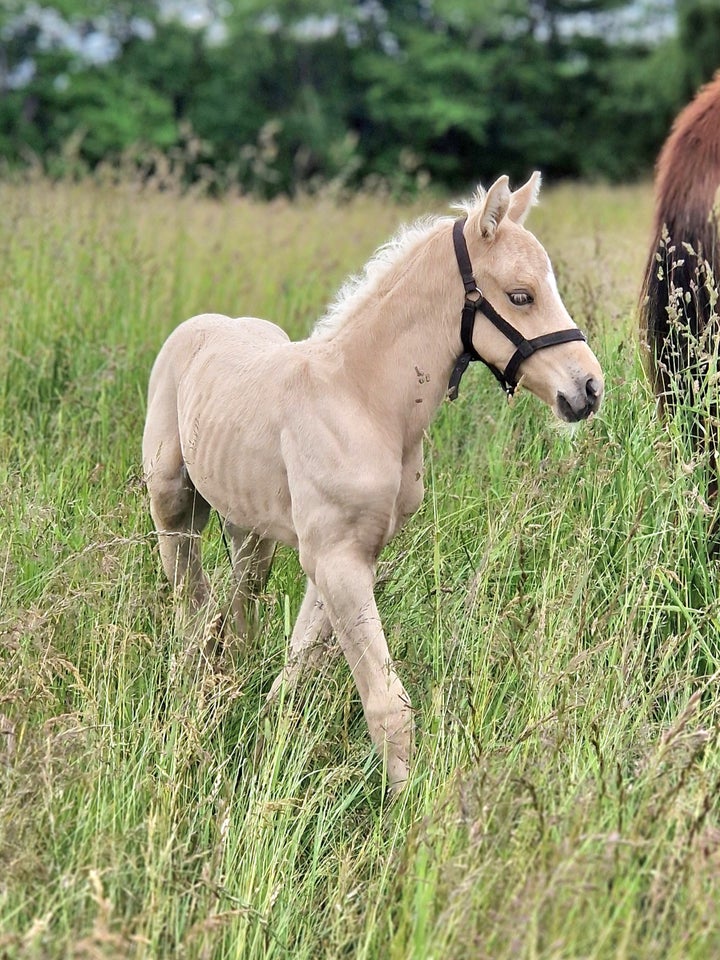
column 235, row 342
column 211, row 357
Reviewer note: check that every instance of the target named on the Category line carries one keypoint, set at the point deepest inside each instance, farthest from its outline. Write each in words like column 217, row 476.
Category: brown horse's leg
column 308, row 644
column 251, row 558
column 345, row 580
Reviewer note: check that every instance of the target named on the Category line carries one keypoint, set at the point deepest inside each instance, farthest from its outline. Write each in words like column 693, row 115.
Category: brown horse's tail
column 678, row 311
column 679, row 302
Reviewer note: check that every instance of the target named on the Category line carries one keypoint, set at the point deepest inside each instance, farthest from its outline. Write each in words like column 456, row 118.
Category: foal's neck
column 400, row 346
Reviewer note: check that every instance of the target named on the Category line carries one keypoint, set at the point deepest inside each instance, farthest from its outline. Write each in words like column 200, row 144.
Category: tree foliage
column 280, row 96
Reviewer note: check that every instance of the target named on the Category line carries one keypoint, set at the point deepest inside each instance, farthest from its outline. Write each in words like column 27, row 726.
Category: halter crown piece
column 476, row 303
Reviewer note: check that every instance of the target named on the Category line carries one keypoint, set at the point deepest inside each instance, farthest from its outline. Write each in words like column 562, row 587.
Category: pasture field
column 553, row 610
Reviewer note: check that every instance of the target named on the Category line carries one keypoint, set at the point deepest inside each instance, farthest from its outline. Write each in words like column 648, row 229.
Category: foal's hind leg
column 308, row 644
column 251, row 557
column 180, row 515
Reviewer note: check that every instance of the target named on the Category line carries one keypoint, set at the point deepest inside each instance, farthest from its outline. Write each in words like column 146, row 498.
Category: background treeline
column 276, row 97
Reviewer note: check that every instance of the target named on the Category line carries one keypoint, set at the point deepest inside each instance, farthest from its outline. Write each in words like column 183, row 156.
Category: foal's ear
column 524, row 198
column 494, row 208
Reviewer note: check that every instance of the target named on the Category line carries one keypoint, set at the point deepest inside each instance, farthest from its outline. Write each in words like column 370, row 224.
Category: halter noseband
column 475, row 302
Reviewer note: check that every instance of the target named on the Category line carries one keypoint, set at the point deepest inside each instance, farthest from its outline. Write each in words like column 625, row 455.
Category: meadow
column 552, row 608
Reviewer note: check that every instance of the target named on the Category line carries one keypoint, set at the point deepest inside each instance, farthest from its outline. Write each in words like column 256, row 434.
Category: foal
column 318, row 443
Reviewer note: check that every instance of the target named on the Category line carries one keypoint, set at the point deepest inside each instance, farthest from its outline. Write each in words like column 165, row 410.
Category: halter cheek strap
column 476, row 303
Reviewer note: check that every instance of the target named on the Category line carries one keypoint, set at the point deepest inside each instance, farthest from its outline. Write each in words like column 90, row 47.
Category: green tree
column 304, row 91
column 699, row 39
column 52, row 92
column 289, row 119
column 508, row 87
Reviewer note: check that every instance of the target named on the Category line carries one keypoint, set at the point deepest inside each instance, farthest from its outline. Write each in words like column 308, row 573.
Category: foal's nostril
column 593, row 392
column 579, row 407
column 592, row 388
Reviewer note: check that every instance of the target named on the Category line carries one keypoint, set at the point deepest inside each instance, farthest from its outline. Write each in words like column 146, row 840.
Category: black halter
column 475, row 302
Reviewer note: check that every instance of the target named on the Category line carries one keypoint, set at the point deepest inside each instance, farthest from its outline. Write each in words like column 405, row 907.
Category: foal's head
column 515, row 275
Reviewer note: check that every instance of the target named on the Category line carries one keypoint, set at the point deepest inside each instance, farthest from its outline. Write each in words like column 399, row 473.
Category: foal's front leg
column 345, row 580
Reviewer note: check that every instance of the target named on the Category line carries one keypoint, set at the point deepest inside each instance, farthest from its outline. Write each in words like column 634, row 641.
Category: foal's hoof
column 209, row 644
column 215, row 630
column 396, row 787
column 213, row 641
column 274, row 692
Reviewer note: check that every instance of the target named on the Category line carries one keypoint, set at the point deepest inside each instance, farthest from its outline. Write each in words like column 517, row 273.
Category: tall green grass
column 553, row 610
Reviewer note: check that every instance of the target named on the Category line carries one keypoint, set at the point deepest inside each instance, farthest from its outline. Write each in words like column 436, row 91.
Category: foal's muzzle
column 580, row 405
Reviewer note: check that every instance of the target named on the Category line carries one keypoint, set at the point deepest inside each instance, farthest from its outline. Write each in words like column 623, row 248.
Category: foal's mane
column 358, row 289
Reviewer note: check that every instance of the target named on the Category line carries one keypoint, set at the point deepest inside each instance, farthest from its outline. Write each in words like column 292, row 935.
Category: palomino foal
column 318, row 443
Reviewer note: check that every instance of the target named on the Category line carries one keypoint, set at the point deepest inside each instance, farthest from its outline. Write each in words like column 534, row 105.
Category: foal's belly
column 247, row 489
column 264, row 509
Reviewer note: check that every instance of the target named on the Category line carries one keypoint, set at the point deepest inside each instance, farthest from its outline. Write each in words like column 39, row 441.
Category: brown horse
column 318, row 443
column 680, row 292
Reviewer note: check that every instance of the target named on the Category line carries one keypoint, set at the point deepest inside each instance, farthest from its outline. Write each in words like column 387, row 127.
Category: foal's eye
column 520, row 298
